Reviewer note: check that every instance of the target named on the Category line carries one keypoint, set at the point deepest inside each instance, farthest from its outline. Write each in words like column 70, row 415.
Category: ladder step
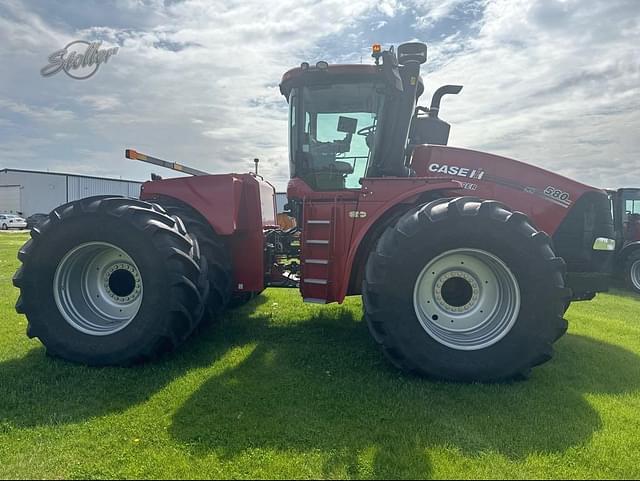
column 321, row 222
column 318, row 242
column 314, row 300
column 322, row 282
column 323, row 262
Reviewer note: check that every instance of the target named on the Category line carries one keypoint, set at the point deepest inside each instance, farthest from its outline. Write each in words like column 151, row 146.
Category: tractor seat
column 342, row 167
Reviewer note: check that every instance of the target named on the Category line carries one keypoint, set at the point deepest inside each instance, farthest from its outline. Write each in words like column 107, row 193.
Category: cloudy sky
column 553, row 83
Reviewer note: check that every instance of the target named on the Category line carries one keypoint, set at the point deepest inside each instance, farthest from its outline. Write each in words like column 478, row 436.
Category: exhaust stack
column 431, row 129
column 437, row 97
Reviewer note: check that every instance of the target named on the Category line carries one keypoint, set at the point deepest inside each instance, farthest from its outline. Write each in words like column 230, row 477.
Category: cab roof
column 298, row 76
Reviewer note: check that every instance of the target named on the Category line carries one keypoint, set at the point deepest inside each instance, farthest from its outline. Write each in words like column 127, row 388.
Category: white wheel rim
column 467, row 299
column 98, row 288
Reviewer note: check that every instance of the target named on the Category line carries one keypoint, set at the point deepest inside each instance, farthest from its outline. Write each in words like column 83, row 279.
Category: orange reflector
column 132, row 154
column 377, row 48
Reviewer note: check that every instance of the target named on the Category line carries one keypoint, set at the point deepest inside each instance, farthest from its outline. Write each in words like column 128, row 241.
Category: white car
column 10, row 221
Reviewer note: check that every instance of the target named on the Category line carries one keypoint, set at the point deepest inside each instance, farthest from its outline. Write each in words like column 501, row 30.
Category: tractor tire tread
column 175, row 249
column 376, row 279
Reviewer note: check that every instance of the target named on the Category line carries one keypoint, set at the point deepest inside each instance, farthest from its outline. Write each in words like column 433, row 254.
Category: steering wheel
column 364, row 131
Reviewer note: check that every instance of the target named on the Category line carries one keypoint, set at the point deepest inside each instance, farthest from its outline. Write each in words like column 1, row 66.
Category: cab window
column 337, row 134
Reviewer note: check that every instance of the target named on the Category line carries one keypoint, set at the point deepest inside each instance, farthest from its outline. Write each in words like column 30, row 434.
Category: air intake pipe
column 398, row 110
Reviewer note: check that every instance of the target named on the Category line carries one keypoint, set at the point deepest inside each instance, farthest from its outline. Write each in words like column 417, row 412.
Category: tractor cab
column 348, row 122
column 333, row 128
column 626, row 204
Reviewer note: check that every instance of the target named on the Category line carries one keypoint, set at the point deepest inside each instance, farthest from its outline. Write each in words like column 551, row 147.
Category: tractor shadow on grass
column 37, row 390
column 622, row 291
column 320, row 386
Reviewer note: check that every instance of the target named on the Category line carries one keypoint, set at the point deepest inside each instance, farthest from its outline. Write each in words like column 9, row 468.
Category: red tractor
column 626, row 212
column 466, row 261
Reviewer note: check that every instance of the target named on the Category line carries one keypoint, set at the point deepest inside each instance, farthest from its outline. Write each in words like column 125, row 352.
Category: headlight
column 604, row 244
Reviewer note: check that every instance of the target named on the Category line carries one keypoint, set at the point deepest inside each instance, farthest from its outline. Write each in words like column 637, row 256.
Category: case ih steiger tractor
column 626, row 213
column 466, row 261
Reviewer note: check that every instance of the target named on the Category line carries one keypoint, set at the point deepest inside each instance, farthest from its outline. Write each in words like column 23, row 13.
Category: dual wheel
column 116, row 281
column 460, row 289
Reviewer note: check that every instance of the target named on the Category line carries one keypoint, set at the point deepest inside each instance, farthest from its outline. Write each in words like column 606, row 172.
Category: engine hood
column 543, row 195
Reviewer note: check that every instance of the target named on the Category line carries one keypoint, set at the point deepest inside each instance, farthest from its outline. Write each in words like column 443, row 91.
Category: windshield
column 631, row 215
column 632, row 204
column 333, row 133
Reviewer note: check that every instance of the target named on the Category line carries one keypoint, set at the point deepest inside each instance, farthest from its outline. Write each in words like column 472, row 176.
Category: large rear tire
column 215, row 251
column 465, row 290
column 110, row 281
column 632, row 271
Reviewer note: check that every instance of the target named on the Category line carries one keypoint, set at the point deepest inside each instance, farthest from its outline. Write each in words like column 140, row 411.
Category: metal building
column 29, row 192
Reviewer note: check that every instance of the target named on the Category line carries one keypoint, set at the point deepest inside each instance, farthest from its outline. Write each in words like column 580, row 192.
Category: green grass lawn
column 282, row 389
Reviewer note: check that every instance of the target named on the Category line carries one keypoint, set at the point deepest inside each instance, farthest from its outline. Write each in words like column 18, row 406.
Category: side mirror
column 347, row 125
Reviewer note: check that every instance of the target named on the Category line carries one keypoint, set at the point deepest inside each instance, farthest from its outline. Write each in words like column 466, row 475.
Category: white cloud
column 101, row 102
column 552, row 83
column 390, row 7
column 432, row 11
column 200, row 85
column 556, row 84
column 42, row 114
